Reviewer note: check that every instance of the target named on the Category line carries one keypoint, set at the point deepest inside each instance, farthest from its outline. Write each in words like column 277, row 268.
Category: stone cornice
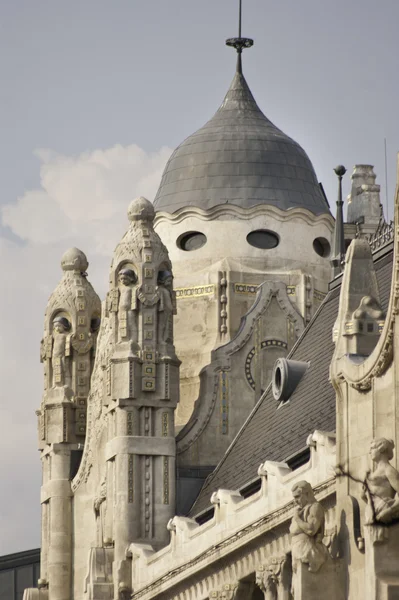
column 237, row 523
column 231, row 211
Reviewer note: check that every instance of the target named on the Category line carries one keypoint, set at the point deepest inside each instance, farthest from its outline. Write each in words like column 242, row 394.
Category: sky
column 94, row 97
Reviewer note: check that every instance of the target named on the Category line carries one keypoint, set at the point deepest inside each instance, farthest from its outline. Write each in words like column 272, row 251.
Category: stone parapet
column 236, row 521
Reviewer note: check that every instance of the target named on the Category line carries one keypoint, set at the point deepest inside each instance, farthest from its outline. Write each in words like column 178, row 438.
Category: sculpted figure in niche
column 60, row 352
column 127, row 305
column 166, row 306
column 381, row 487
column 307, row 529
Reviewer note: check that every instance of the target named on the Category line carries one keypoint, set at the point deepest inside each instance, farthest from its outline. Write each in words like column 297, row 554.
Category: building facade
column 172, row 467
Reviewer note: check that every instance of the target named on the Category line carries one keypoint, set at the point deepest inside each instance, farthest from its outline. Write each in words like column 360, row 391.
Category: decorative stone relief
column 267, row 581
column 223, row 302
column 227, row 592
column 364, row 327
column 126, row 305
column 71, row 325
column 166, row 307
column 60, row 352
column 99, row 506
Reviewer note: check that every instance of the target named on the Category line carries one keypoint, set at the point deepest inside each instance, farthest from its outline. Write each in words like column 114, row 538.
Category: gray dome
column 239, row 157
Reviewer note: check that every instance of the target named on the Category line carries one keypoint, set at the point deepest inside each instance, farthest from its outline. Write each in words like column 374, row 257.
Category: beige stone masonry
column 235, row 522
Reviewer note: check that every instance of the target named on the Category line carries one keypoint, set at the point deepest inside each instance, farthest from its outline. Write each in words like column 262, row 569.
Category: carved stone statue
column 60, row 352
column 307, row 529
column 126, row 305
column 166, row 306
column 99, row 510
column 381, row 487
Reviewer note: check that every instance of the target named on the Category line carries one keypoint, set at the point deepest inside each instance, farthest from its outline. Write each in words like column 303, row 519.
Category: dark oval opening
column 263, row 239
column 191, row 241
column 322, row 247
column 277, row 379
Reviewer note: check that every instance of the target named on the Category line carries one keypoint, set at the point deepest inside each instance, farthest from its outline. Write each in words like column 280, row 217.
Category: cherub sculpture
column 60, row 352
column 166, row 306
column 127, row 305
column 381, row 487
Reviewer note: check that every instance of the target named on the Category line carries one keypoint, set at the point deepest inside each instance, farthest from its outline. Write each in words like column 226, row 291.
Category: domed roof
column 239, row 157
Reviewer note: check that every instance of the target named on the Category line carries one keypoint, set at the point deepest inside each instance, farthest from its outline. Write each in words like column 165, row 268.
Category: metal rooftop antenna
column 239, row 43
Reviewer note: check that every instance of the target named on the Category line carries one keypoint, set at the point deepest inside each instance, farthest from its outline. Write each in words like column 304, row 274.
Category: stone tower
column 68, row 347
column 124, row 488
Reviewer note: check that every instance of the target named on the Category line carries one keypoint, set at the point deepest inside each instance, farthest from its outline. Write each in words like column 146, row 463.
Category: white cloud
column 85, row 197
column 82, row 202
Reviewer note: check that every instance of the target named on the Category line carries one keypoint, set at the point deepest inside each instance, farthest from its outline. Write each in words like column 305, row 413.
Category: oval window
column 322, row 247
column 191, row 241
column 263, row 239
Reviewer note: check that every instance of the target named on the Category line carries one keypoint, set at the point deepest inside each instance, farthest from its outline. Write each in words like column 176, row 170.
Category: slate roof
column 272, row 433
column 239, row 157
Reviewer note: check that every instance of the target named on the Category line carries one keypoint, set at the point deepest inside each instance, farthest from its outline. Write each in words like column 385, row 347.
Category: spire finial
column 239, row 43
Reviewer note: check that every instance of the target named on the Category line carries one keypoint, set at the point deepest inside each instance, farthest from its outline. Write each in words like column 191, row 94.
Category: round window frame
column 189, row 234
column 325, row 244
column 272, row 234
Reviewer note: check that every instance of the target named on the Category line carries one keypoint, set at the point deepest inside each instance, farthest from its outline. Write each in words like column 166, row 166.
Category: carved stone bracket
column 274, row 578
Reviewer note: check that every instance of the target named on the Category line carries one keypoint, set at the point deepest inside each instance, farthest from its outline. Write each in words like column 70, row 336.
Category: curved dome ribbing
column 239, row 157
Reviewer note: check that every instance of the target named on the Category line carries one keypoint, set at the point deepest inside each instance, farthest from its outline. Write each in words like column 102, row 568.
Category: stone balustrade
column 236, row 520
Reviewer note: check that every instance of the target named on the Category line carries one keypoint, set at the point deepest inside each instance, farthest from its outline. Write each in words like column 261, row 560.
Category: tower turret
column 124, row 491
column 71, row 324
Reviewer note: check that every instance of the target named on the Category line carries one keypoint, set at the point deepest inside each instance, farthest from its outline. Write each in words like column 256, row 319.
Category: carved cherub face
column 127, row 277
column 165, row 278
column 61, row 325
column 168, row 281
